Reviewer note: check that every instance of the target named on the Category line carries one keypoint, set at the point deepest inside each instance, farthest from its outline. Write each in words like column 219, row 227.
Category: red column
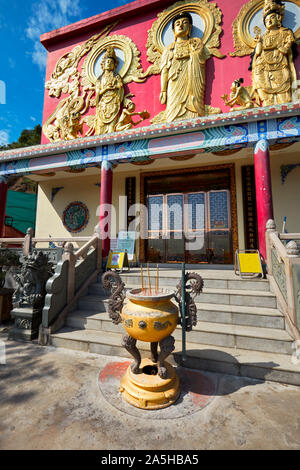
column 3, row 196
column 105, row 206
column 263, row 187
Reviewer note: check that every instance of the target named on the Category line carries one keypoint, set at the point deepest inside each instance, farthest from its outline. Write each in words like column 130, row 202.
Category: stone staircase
column 240, row 328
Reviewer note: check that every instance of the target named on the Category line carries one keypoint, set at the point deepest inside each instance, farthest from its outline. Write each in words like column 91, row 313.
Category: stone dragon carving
column 111, row 281
column 31, row 281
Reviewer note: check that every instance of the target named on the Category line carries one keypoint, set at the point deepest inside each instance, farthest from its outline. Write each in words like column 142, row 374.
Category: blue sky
column 23, row 58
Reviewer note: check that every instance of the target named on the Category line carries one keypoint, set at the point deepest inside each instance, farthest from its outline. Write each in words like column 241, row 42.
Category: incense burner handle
column 193, row 286
column 111, row 281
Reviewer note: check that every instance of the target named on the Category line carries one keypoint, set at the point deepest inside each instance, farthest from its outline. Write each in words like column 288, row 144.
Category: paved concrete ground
column 52, row 399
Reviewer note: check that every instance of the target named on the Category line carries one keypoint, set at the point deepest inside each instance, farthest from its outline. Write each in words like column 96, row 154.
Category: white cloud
column 47, row 16
column 12, row 63
column 2, row 92
column 39, row 55
column 4, row 137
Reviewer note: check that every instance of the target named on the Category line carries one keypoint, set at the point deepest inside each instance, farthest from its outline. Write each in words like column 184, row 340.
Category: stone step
column 213, row 313
column 99, row 321
column 237, row 297
column 226, row 335
column 92, row 303
column 235, row 361
column 213, row 280
column 216, row 296
column 240, row 315
column 175, row 272
column 242, row 337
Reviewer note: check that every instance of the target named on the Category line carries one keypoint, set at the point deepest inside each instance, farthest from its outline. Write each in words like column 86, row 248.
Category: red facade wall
column 135, row 21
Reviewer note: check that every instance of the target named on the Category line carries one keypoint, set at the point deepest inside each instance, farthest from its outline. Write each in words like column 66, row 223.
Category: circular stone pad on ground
column 197, row 391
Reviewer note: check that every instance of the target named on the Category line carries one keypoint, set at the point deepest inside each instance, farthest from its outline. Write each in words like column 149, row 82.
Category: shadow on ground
column 25, row 365
column 228, row 365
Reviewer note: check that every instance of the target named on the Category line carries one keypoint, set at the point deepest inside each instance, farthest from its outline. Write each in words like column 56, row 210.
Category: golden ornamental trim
column 244, row 43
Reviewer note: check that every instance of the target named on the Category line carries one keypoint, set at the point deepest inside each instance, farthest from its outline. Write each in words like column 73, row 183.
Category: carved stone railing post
column 270, row 228
column 292, row 249
column 27, row 245
column 292, row 273
column 70, row 256
column 99, row 247
column 284, row 274
column 74, row 273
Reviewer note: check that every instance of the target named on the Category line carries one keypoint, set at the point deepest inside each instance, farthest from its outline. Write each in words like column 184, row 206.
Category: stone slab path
column 52, row 399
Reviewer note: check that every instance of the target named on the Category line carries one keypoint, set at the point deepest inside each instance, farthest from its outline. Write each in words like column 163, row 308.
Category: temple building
column 190, row 106
column 176, row 124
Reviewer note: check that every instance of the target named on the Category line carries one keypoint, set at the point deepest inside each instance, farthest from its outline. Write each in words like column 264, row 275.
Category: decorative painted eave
column 277, row 124
column 156, row 131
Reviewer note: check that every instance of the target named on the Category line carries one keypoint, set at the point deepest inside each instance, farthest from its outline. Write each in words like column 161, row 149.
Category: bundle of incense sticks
column 142, row 280
column 144, row 288
column 149, row 278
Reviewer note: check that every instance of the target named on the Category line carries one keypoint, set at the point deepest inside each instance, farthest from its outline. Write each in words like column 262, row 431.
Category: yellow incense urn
column 151, row 317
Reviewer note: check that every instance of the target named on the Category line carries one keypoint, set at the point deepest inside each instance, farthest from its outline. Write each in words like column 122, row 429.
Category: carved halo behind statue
column 261, row 30
column 180, row 57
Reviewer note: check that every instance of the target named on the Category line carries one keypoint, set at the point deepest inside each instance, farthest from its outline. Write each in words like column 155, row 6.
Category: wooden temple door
column 192, row 227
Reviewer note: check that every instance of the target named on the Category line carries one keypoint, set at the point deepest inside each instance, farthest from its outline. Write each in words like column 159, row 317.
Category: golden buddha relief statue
column 273, row 70
column 183, row 72
column 86, row 89
column 182, row 62
column 109, row 94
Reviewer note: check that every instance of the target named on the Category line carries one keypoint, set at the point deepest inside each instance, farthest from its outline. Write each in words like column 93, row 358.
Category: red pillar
column 105, row 206
column 263, row 187
column 3, row 196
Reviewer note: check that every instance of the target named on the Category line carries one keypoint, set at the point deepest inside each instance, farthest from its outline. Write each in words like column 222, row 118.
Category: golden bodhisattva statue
column 109, row 94
column 183, row 73
column 72, row 117
column 239, row 96
column 273, row 71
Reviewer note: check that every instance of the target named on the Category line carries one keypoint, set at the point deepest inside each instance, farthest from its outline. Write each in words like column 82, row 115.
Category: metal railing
column 283, row 262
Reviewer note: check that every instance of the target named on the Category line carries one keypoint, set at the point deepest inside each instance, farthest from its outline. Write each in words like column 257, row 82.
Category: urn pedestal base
column 147, row 390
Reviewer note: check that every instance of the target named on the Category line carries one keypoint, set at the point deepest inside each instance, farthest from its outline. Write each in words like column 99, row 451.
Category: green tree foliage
column 28, row 138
